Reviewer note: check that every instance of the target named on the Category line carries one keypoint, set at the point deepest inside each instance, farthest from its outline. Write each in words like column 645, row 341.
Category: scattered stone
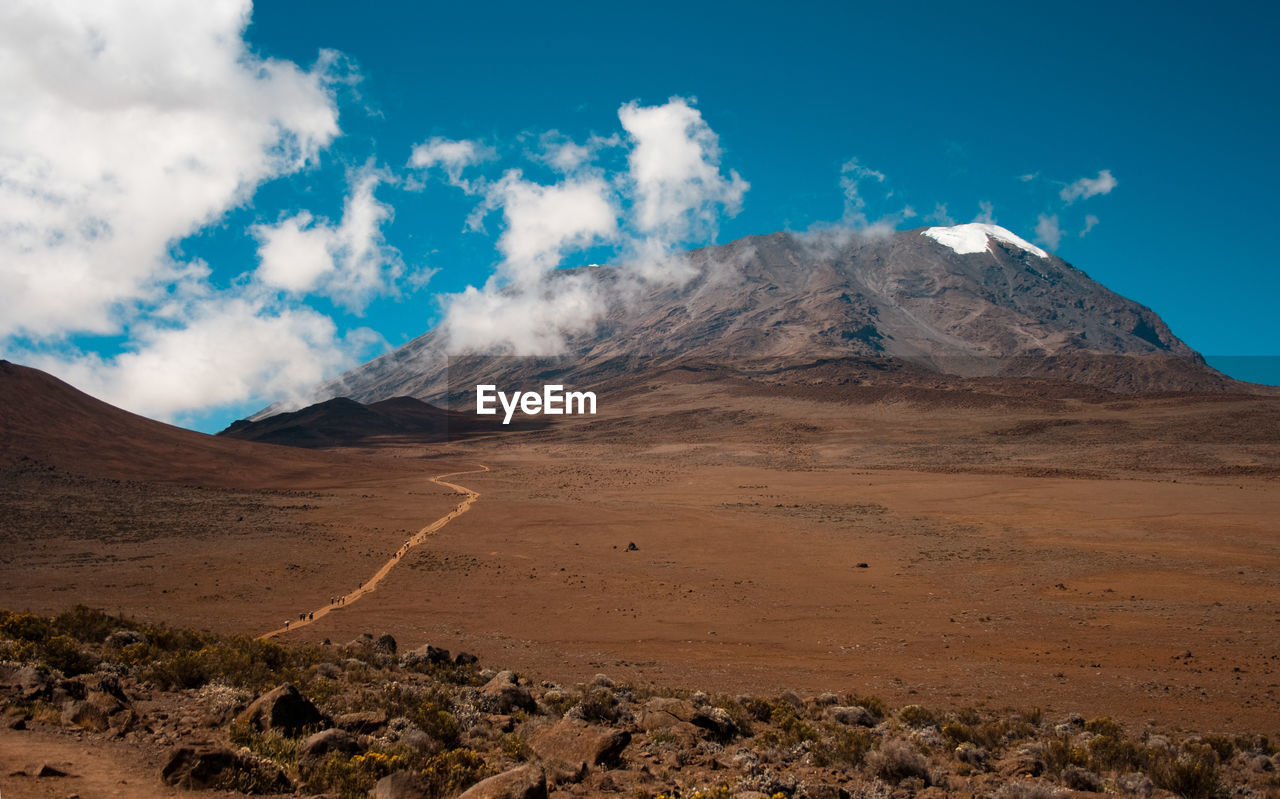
column 827, row 699
column 526, row 782
column 283, row 709
column 47, row 770
column 503, row 694
column 317, row 746
column 631, row 547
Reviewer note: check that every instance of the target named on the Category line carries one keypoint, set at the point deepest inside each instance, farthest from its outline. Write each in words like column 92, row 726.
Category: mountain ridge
column 1008, row 309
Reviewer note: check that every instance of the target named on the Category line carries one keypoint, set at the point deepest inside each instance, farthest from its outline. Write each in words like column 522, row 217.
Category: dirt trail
column 372, row 583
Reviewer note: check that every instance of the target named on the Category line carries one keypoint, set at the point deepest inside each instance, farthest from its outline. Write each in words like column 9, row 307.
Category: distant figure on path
column 286, row 624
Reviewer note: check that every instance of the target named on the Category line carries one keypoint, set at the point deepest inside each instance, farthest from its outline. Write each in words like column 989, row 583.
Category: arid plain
column 993, row 544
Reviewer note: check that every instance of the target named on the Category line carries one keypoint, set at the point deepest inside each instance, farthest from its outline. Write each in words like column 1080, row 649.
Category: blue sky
column 1167, row 112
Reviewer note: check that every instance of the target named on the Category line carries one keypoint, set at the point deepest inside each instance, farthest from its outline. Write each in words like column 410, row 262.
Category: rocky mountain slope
column 967, row 300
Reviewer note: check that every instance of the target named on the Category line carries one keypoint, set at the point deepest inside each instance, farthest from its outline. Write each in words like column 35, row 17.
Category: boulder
column 852, row 715
column 119, row 639
column 400, row 785
column 465, row 659
column 385, row 643
column 569, row 748
column 86, row 715
column 365, row 722
column 503, row 694
column 717, row 721
column 283, row 709
column 661, row 712
column 317, row 746
column 215, row 767
column 526, row 782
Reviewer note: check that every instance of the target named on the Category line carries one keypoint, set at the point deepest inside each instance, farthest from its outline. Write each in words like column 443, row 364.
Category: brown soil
column 1091, row 556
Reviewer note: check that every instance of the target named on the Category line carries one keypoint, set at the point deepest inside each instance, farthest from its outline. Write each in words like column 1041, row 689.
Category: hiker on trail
column 286, row 624
column 311, row 616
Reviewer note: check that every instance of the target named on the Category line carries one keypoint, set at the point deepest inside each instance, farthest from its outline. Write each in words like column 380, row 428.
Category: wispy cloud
column 452, row 156
column 1084, row 188
column 1048, row 231
column 986, row 213
column 1090, row 222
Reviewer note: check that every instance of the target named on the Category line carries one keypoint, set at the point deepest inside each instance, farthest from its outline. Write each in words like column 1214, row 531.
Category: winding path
column 416, row 539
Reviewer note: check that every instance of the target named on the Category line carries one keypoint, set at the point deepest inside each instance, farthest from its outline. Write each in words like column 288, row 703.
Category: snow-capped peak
column 974, row 237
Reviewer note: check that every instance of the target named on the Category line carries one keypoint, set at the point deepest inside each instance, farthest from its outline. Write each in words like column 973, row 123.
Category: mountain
column 341, row 422
column 46, row 421
column 965, row 300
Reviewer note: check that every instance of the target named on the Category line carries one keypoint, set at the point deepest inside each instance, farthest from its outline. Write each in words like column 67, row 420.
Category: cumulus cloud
column 124, row 128
column 349, row 262
column 672, row 192
column 231, row 350
column 1048, row 231
column 674, row 172
column 1084, row 188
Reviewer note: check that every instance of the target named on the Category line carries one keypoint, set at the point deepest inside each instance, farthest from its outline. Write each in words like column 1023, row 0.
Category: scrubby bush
column 897, row 760
column 917, row 716
column 842, row 746
column 1192, row 774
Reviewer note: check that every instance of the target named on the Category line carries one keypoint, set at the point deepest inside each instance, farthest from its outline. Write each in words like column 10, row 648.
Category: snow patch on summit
column 975, row 237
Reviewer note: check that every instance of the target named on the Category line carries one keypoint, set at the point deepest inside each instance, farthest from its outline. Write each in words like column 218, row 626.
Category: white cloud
column 1084, row 188
column 1048, row 231
column 232, row 350
column 1090, row 222
column 125, row 127
column 349, row 262
column 544, row 222
column 672, row 192
column 452, row 156
column 674, row 172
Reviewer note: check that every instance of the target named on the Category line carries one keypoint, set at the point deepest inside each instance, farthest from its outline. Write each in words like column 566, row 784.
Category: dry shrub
column 897, row 760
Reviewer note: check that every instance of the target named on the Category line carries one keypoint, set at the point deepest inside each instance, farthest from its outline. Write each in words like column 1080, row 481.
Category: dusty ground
column 1117, row 558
